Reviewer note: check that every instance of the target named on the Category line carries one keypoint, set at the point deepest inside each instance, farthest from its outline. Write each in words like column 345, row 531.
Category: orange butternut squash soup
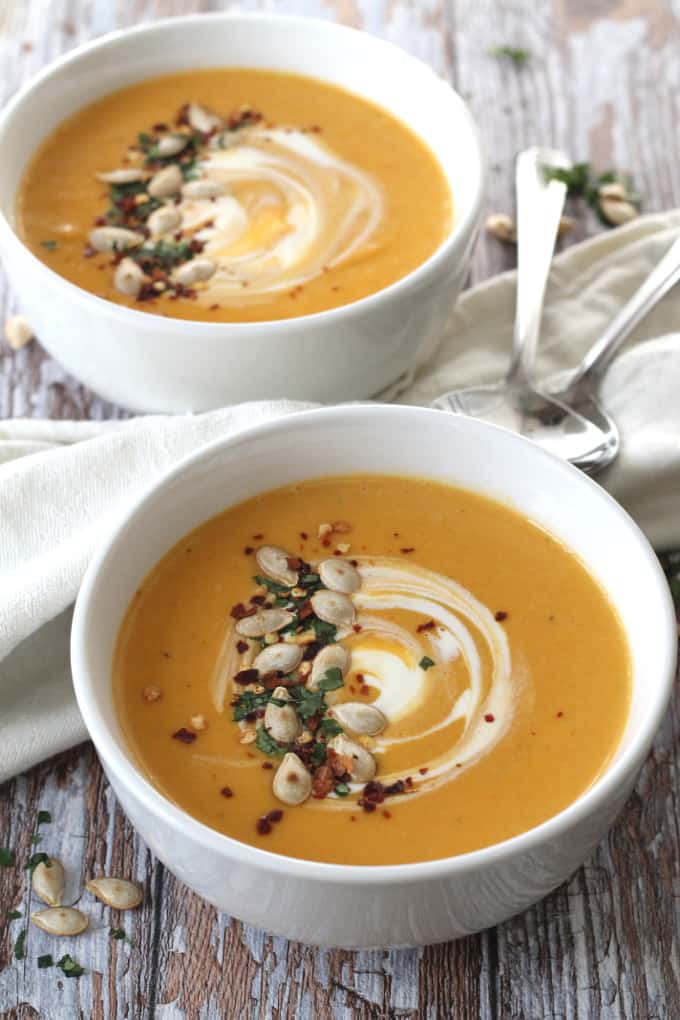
column 233, row 195
column 371, row 670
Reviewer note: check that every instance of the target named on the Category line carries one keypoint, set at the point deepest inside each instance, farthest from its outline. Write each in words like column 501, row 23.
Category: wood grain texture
column 602, row 83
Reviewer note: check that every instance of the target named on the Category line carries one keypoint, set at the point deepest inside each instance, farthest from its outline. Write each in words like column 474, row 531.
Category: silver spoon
column 578, row 389
column 517, row 402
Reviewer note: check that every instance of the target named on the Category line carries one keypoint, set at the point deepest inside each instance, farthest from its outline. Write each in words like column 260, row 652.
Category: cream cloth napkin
column 64, row 484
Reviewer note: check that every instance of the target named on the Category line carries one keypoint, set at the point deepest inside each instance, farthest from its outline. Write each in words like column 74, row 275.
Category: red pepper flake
column 326, row 542
column 239, row 611
column 323, row 782
column 489, row 717
column 423, row 771
column 387, row 814
column 294, row 562
column 258, row 537
column 267, row 765
column 357, row 628
column 360, row 678
column 263, row 826
column 560, row 714
column 167, row 655
column 355, row 563
column 184, row 736
column 227, row 791
column 274, row 816
column 408, row 782
column 246, row 676
column 258, row 600
column 500, row 615
column 248, row 550
column 304, row 536
column 242, row 647
column 365, row 690
column 305, row 611
column 407, row 549
column 429, row 625
column 368, row 806
column 213, row 308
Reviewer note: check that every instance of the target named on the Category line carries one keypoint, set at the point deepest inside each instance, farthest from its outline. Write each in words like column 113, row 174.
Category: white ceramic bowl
column 151, row 363
column 407, row 904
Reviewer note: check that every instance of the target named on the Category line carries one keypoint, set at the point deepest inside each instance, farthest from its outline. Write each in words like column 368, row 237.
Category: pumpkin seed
column 281, row 721
column 125, row 175
column 273, row 562
column 195, row 271
column 114, row 238
column 339, row 575
column 359, row 717
column 330, row 657
column 280, row 657
column 18, row 332
column 164, row 220
column 129, row 278
column 333, row 607
column 166, row 182
column 363, row 765
column 618, row 212
column 171, row 145
column 203, row 120
column 292, row 782
column 48, row 881
column 119, row 893
column 265, row 621
column 61, row 920
column 202, row 188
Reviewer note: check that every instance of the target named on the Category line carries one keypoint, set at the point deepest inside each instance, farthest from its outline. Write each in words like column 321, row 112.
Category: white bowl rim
column 378, row 875
column 199, row 329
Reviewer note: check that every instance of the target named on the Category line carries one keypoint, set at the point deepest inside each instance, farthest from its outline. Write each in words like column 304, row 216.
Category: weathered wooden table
column 602, row 82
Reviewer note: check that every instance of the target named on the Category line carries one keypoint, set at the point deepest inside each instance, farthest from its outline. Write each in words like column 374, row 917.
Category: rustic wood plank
column 602, row 82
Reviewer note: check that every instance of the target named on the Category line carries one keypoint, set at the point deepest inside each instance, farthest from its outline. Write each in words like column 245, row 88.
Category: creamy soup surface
column 425, row 670
column 233, row 195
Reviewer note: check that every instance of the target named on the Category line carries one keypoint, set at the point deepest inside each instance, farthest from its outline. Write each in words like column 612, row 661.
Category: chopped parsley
column 7, row 857
column 163, row 254
column 519, row 57
column 69, row 967
column 250, row 702
column 426, row 662
column 12, row 915
column 44, row 818
column 19, row 945
column 318, row 754
column 34, row 860
column 49, row 245
column 273, row 587
column 331, row 680
column 324, row 632
column 45, row 961
column 582, row 182
column 266, row 743
column 342, row 789
column 330, row 728
column 36, row 838
column 120, row 936
column 307, row 703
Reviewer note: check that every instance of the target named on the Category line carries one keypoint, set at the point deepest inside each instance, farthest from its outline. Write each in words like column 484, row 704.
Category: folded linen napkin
column 63, row 484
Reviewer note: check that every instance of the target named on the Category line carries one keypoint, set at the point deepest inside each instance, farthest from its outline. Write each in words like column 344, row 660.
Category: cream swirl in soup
column 289, row 210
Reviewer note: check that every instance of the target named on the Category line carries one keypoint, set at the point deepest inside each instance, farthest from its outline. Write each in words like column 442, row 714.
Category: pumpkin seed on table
column 330, row 657
column 339, row 575
column 273, row 562
column 292, row 783
column 359, row 717
column 18, row 332
column 48, row 881
column 333, row 607
column 265, row 621
column 281, row 721
column 62, row 921
column 119, row 893
column 363, row 765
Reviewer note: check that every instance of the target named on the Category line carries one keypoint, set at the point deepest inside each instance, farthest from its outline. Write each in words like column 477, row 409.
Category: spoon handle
column 539, row 208
column 657, row 284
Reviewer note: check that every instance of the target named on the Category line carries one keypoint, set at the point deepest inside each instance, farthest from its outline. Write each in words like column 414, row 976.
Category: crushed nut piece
column 151, row 693
column 248, row 737
column 325, row 530
column 342, row 527
column 343, row 547
column 198, row 722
